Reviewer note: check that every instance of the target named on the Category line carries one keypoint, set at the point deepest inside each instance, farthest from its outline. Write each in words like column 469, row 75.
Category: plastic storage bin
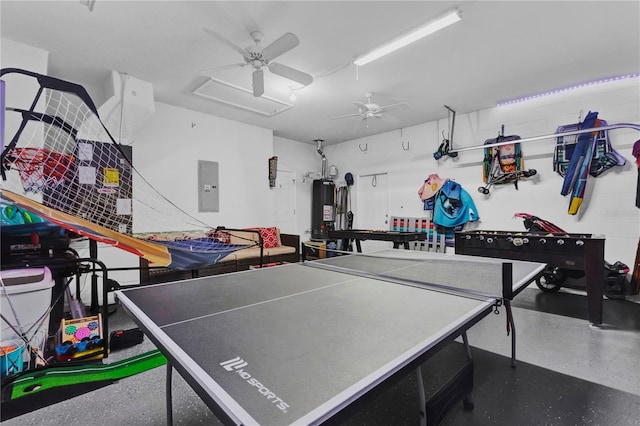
column 11, row 357
column 26, row 298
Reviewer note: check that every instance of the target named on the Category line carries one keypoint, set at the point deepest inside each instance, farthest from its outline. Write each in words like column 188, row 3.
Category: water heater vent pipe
column 324, row 158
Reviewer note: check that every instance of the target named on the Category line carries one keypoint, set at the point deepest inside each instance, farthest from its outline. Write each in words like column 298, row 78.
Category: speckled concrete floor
column 568, row 373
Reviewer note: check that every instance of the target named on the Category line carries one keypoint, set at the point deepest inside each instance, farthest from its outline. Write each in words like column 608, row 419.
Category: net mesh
column 474, row 277
column 39, row 168
column 59, row 153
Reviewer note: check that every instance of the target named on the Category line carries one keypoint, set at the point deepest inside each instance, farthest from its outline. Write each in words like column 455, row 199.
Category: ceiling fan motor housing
column 258, row 57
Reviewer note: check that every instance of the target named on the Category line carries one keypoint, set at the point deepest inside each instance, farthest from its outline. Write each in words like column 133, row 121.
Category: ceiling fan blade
column 229, row 43
column 208, row 71
column 344, row 116
column 389, row 118
column 290, row 73
column 258, row 83
column 393, row 105
column 280, row 46
column 363, row 126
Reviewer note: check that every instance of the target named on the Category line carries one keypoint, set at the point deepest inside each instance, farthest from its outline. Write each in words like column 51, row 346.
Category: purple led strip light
column 566, row 89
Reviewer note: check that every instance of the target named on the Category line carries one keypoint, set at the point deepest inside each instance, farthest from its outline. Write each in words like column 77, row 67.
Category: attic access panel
column 239, row 97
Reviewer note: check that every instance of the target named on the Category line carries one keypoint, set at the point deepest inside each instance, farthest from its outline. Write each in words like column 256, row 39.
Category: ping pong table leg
column 512, row 324
column 422, row 399
column 468, row 399
column 168, row 396
column 460, row 386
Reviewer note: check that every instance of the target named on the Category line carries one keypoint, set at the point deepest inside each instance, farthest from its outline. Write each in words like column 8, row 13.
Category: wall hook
column 365, row 147
column 408, row 146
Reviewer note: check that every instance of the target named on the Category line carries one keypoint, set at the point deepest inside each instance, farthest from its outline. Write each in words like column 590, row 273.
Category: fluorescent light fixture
column 416, row 35
column 566, row 89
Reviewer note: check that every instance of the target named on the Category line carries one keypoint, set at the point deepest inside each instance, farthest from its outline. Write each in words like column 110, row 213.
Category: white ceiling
column 500, row 50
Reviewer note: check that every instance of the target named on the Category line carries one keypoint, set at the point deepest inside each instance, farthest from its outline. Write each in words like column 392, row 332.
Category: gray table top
column 294, row 344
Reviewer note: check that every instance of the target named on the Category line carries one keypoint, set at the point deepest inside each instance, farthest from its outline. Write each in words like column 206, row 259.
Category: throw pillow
column 269, row 236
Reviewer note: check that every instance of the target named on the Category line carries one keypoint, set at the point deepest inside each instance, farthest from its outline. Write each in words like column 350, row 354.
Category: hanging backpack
column 507, row 157
column 503, row 164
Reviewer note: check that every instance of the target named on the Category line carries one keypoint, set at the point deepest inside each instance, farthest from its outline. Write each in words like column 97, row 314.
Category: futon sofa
column 266, row 246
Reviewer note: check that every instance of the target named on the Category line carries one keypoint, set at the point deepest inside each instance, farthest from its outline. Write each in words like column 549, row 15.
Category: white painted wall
column 609, row 209
column 302, row 158
column 20, row 55
column 166, row 152
column 20, row 91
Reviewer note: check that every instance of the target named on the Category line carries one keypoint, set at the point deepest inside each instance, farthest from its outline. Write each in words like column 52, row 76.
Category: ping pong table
column 358, row 235
column 300, row 343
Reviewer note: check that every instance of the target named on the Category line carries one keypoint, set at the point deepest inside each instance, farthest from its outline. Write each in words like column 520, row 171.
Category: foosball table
column 583, row 252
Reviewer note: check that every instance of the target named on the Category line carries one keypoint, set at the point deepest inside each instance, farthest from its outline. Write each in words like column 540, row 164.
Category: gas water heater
column 323, row 213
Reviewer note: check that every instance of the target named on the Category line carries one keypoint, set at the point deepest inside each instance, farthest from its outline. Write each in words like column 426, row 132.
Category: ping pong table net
column 469, row 277
column 62, row 164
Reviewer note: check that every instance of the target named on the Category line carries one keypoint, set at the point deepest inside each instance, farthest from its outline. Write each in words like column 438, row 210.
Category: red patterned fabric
column 270, row 237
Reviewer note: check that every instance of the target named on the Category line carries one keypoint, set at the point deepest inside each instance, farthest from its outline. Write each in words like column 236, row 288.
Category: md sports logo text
column 237, row 365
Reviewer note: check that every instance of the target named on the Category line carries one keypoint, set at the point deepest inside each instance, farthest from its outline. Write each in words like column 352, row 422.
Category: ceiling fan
column 258, row 57
column 369, row 110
